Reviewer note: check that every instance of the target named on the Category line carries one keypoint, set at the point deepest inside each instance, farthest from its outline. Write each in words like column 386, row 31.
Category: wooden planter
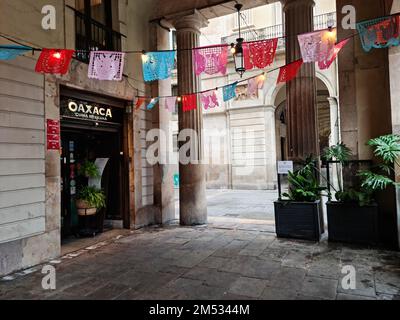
column 299, row 220
column 84, row 209
column 351, row 223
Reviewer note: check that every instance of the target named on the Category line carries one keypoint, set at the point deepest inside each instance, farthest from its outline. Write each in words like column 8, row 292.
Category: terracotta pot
column 84, row 209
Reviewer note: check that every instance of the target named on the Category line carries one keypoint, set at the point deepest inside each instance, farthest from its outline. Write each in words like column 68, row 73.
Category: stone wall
column 365, row 102
column 394, row 67
column 365, row 106
column 27, row 99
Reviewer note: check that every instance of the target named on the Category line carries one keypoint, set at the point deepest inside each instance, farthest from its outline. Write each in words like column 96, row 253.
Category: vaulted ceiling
column 209, row 8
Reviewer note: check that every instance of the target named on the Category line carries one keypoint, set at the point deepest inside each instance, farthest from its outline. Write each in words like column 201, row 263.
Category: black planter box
column 351, row 223
column 299, row 220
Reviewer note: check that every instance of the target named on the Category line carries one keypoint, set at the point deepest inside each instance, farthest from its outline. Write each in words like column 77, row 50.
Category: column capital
column 270, row 107
column 292, row 4
column 192, row 21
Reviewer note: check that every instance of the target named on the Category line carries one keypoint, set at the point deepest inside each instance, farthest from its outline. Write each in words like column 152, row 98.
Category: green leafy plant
column 362, row 196
column 93, row 196
column 339, row 152
column 342, row 154
column 387, row 148
column 89, row 169
column 304, row 184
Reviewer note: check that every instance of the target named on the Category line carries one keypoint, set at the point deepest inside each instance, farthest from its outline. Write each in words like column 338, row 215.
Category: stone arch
column 331, row 87
column 276, row 96
column 272, row 92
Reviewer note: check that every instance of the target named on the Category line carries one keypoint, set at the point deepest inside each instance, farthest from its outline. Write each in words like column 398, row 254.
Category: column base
column 193, row 201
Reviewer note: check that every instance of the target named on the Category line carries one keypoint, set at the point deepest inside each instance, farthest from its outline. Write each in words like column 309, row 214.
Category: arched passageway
column 328, row 119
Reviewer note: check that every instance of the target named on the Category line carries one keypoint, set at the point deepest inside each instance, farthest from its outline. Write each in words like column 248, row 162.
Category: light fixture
column 331, row 34
column 57, row 55
column 145, row 57
column 237, row 50
column 179, row 99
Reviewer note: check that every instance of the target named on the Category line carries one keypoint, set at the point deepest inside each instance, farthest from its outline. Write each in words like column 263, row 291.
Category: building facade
column 253, row 166
column 37, row 184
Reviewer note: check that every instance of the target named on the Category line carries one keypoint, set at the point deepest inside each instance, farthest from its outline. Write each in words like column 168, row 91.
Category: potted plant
column 299, row 216
column 353, row 217
column 89, row 200
column 88, row 169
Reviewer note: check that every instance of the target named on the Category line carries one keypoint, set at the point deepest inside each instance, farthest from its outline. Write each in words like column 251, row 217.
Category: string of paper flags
column 319, row 47
column 209, row 98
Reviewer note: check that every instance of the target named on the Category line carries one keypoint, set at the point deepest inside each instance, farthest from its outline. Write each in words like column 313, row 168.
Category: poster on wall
column 53, row 135
column 284, row 167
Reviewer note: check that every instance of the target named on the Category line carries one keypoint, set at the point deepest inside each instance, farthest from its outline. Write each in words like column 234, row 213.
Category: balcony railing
column 91, row 35
column 321, row 22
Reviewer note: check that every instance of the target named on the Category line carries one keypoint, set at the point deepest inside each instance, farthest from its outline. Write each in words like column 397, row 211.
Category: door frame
column 126, row 131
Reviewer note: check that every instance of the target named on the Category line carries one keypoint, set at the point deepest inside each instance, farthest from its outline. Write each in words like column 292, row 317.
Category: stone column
column 300, row 92
column 164, row 193
column 270, row 147
column 193, row 204
column 335, row 121
column 334, row 139
column 365, row 103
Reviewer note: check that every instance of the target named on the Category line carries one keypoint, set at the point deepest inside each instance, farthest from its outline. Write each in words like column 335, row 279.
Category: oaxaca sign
column 87, row 111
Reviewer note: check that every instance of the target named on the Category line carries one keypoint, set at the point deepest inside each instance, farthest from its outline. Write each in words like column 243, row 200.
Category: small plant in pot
column 299, row 216
column 89, row 201
column 353, row 217
column 88, row 169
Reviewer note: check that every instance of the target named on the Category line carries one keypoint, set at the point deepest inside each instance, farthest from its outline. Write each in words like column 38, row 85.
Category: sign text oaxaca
column 87, row 111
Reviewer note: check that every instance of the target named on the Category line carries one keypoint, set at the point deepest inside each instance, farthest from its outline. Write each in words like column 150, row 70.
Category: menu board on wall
column 53, row 135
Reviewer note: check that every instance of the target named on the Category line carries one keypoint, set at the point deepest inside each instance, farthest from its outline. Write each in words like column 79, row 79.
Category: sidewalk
column 210, row 263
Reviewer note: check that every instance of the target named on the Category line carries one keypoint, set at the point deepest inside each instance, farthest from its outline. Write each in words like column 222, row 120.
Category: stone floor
column 211, row 263
column 242, row 209
column 239, row 209
column 242, row 204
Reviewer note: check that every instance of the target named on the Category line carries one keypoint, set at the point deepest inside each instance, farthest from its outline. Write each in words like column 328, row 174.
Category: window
column 174, row 91
column 98, row 10
column 172, row 40
column 94, row 27
column 246, row 19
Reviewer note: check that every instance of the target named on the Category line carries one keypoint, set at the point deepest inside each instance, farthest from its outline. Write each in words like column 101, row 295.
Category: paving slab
column 174, row 262
column 249, row 287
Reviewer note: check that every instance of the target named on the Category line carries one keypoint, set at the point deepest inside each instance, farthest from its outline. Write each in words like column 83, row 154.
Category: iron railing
column 321, row 22
column 91, row 35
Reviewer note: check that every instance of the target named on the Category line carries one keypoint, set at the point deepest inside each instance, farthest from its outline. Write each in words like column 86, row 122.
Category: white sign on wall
column 284, row 167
